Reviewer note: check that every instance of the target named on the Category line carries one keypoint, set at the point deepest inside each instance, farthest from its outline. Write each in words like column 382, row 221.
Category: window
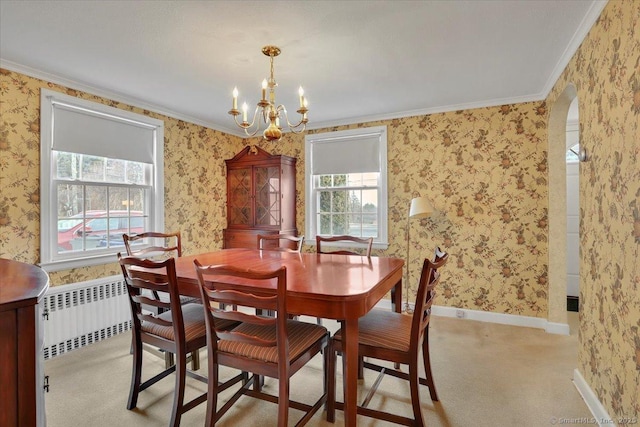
column 346, row 181
column 101, row 177
column 572, row 154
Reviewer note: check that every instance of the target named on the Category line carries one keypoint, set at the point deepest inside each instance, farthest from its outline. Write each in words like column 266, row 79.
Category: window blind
column 76, row 130
column 357, row 154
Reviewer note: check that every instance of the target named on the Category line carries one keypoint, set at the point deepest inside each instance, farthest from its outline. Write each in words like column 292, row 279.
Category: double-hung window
column 346, row 182
column 101, row 177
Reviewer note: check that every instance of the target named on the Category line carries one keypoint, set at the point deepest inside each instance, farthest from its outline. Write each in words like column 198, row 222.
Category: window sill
column 376, row 245
column 86, row 261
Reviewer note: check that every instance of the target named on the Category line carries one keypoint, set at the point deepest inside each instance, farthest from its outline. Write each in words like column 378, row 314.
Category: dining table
column 329, row 286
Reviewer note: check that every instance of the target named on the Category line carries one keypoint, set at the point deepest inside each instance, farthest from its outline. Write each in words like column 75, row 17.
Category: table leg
column 396, row 304
column 350, row 374
column 396, row 297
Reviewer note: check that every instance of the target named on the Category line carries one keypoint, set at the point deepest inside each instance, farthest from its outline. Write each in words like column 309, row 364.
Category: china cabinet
column 261, row 197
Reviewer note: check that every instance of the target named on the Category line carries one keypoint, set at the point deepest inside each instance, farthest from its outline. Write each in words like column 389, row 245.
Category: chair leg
column 414, row 383
column 136, row 372
column 178, row 396
column 283, row 401
column 168, row 359
column 331, row 357
column 427, row 366
column 195, row 360
column 212, row 393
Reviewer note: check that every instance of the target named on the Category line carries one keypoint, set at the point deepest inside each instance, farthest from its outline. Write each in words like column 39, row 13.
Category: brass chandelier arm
column 294, row 128
column 246, row 126
column 271, row 115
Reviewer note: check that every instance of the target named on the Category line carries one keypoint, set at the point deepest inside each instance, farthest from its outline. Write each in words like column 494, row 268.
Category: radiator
column 80, row 314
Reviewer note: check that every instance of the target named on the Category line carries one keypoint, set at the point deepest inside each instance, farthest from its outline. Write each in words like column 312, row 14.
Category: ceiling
column 357, row 60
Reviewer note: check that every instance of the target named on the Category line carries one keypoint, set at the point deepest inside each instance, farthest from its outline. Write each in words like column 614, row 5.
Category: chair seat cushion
column 384, row 329
column 302, row 335
column 194, row 324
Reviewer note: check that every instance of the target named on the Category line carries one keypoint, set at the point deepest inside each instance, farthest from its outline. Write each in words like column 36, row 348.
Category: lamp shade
column 421, row 207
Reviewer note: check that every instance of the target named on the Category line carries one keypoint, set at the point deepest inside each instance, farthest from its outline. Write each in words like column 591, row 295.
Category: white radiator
column 79, row 314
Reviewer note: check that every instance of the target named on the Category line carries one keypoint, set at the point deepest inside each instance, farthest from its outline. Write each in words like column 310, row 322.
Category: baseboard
column 600, row 415
column 501, row 318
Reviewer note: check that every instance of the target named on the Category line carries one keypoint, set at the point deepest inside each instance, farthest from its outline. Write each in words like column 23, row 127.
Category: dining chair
column 153, row 244
column 178, row 329
column 158, row 246
column 326, row 241
column 394, row 337
column 275, row 347
column 280, row 242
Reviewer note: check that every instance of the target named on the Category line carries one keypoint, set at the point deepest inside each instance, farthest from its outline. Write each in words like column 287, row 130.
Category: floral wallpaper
column 606, row 74
column 486, row 171
column 195, row 181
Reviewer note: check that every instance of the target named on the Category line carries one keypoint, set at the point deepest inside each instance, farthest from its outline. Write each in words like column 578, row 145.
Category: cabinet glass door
column 267, row 196
column 239, row 197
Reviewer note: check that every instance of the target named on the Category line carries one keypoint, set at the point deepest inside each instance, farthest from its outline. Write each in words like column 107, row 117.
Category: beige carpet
column 486, row 375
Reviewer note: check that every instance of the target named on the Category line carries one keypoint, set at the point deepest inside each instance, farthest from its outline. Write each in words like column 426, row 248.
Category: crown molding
column 583, row 29
column 428, row 111
column 111, row 95
column 587, row 22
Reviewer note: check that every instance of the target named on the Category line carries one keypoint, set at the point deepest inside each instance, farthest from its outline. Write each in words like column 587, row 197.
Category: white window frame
column 311, row 205
column 50, row 259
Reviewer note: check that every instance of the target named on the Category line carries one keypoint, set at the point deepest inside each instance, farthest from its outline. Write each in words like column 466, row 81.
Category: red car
column 99, row 230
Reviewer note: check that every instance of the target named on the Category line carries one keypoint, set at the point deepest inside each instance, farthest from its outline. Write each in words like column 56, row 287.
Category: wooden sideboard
column 261, row 197
column 22, row 287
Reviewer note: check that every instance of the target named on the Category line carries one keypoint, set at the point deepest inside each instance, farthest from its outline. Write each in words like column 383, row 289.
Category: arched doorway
column 572, row 158
column 557, row 315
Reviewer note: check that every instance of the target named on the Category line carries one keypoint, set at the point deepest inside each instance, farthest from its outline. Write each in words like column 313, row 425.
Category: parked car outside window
column 98, row 229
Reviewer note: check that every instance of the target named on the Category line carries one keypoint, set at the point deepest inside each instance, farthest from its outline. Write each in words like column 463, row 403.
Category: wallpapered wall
column 484, row 169
column 195, row 179
column 606, row 73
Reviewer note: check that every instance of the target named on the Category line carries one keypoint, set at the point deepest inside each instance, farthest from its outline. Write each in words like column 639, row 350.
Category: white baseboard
column 557, row 328
column 501, row 318
column 600, row 414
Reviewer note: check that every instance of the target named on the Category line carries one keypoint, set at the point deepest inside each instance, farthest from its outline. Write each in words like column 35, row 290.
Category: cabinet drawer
column 243, row 238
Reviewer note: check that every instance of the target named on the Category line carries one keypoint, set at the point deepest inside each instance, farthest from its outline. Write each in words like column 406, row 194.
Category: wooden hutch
column 22, row 287
column 261, row 197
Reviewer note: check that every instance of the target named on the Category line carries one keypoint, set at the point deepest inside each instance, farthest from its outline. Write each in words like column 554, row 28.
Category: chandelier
column 266, row 110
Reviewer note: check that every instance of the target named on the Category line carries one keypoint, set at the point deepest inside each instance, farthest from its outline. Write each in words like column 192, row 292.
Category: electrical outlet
column 460, row 314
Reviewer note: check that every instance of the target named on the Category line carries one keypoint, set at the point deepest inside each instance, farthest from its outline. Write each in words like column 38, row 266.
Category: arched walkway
column 558, row 207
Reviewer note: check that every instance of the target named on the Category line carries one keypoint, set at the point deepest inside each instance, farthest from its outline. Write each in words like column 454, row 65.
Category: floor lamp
column 420, row 207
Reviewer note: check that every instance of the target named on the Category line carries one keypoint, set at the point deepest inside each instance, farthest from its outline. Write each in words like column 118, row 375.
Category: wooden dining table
column 341, row 287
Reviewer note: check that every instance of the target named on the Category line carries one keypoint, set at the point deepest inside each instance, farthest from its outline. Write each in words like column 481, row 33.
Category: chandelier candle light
column 269, row 112
column 420, row 207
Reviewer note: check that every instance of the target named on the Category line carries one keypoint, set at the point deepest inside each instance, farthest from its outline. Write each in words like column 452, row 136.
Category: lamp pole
column 420, row 207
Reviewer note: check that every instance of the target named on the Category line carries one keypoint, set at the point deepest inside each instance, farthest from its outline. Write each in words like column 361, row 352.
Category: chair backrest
column 136, row 288
column 280, row 242
column 159, row 244
column 438, row 256
column 429, row 279
column 367, row 242
column 219, row 284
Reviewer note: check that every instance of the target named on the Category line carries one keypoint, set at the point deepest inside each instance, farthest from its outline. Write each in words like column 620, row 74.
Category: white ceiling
column 357, row 60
